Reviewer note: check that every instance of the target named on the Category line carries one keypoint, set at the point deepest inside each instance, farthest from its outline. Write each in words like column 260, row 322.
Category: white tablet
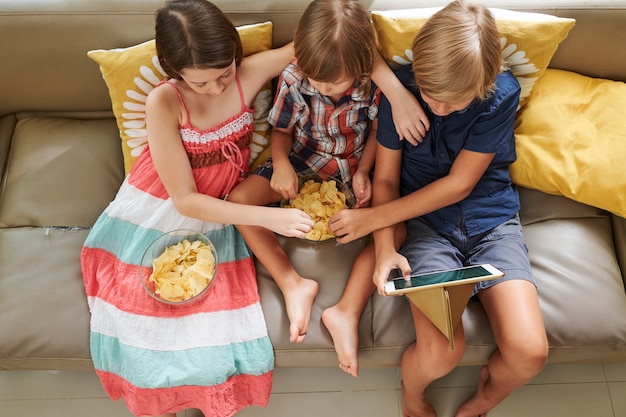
column 446, row 278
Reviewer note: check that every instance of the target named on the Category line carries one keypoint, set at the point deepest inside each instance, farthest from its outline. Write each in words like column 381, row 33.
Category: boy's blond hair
column 456, row 54
column 336, row 38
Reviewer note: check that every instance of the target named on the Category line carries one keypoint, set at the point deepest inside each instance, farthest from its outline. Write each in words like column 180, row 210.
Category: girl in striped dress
column 214, row 354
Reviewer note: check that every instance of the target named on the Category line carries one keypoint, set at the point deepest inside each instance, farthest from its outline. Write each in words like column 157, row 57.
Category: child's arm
column 257, row 69
column 361, row 180
column 387, row 179
column 408, row 116
column 284, row 179
column 172, row 165
column 466, row 171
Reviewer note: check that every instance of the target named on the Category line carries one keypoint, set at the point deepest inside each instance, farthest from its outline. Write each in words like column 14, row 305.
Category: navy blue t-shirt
column 484, row 126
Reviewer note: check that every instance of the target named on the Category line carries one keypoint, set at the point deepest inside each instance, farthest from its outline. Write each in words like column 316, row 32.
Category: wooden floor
column 594, row 390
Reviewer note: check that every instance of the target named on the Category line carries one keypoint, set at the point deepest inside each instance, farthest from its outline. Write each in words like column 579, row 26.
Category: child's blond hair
column 336, row 38
column 456, row 54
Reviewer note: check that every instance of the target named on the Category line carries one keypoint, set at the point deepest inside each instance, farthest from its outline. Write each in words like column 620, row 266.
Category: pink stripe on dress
column 223, row 400
column 235, row 287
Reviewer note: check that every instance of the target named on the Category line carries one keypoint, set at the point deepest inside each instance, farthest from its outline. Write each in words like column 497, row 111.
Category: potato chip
column 320, row 200
column 183, row 270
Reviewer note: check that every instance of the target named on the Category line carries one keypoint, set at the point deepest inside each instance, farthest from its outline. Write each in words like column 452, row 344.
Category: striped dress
column 215, row 354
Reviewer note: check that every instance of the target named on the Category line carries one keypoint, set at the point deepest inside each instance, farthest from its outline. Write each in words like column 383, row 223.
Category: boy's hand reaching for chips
column 362, row 187
column 350, row 225
column 284, row 181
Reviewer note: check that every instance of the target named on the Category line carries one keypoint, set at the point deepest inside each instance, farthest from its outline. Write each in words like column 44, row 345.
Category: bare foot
column 344, row 330
column 478, row 404
column 416, row 405
column 298, row 302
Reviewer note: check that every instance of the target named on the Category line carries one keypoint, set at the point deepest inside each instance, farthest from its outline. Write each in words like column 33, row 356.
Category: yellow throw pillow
column 571, row 140
column 528, row 40
column 131, row 73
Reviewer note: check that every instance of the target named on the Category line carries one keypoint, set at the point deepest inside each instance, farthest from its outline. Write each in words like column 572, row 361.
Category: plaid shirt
column 328, row 137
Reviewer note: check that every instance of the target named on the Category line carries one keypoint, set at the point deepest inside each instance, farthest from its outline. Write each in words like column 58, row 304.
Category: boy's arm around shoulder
column 408, row 116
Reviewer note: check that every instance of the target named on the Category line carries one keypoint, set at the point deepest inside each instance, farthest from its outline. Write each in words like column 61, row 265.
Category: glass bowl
column 185, row 278
column 341, row 187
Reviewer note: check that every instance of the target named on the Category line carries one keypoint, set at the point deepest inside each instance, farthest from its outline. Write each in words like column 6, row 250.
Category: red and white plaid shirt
column 329, row 137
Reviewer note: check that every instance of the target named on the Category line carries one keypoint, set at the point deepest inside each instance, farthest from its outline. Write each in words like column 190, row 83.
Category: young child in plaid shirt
column 324, row 122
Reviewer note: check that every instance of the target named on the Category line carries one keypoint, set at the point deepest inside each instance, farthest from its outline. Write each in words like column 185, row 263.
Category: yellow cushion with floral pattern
column 131, row 73
column 571, row 140
column 528, row 40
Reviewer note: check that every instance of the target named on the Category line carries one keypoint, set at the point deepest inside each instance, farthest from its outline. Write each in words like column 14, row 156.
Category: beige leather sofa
column 61, row 163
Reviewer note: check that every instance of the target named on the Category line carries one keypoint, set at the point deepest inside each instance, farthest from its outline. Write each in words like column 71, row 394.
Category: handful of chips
column 320, row 200
column 183, row 270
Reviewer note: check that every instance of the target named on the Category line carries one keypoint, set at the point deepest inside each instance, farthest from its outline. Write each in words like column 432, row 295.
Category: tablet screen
column 442, row 276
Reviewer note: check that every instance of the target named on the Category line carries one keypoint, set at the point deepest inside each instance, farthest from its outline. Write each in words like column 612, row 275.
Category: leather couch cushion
column 69, row 166
column 580, row 285
column 60, row 174
column 7, row 124
column 619, row 234
column 45, row 318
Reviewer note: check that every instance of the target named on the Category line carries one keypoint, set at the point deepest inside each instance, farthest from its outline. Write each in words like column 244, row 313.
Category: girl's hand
column 362, row 187
column 349, row 225
column 285, row 181
column 289, row 222
column 408, row 116
column 387, row 260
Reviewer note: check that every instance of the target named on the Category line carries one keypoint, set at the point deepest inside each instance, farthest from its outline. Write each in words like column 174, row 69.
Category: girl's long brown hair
column 195, row 34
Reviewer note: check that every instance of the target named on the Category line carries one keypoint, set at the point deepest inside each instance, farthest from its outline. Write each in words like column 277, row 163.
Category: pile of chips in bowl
column 184, row 265
column 321, row 199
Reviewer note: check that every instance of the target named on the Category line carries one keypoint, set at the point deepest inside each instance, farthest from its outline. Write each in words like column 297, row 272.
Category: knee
column 237, row 195
column 436, row 358
column 254, row 190
column 243, row 193
column 529, row 356
column 536, row 350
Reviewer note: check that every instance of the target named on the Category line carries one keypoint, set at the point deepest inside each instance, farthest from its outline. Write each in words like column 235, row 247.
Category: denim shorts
column 503, row 247
column 266, row 169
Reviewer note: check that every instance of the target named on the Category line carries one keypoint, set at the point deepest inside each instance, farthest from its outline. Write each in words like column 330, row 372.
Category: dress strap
column 180, row 97
column 241, row 98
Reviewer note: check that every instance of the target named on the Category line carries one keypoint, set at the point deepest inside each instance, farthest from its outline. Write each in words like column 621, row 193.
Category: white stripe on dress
column 197, row 330
column 138, row 207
